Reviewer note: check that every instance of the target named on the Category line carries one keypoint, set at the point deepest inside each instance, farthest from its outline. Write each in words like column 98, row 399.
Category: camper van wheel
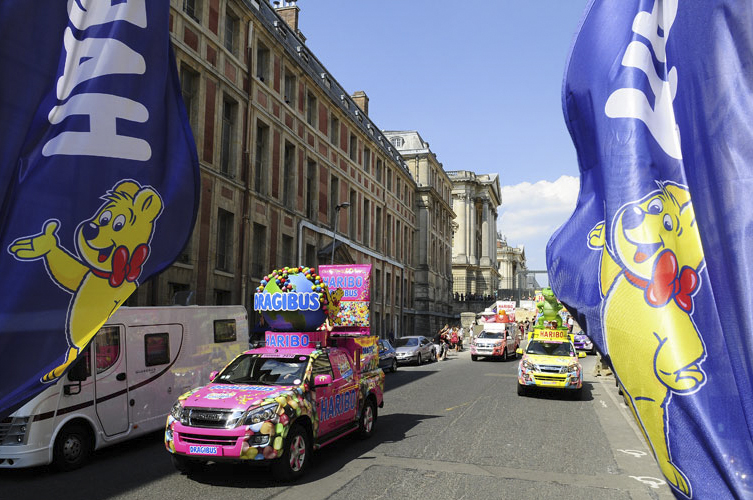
column 73, row 446
column 368, row 419
column 296, row 455
column 184, row 465
column 393, row 368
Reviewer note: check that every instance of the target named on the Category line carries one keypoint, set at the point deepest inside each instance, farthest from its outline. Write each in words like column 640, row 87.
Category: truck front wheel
column 73, row 446
column 368, row 419
column 296, row 456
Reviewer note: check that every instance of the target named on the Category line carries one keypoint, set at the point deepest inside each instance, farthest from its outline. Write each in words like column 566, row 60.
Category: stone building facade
column 511, row 262
column 432, row 252
column 475, row 198
column 284, row 153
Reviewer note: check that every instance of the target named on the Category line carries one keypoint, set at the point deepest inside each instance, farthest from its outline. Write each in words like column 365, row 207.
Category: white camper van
column 124, row 382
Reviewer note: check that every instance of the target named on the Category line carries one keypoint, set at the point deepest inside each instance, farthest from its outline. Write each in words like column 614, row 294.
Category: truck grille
column 14, row 430
column 209, row 440
column 549, row 378
column 552, row 368
column 207, row 417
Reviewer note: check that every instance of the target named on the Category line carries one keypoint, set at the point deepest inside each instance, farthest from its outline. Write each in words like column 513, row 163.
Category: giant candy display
column 293, row 299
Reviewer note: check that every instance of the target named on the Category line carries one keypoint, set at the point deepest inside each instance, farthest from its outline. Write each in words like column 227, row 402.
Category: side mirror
column 213, row 375
column 581, row 354
column 519, row 350
column 322, row 380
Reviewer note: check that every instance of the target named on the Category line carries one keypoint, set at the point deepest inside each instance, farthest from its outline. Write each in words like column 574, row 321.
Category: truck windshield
column 491, row 335
column 550, row 348
column 257, row 369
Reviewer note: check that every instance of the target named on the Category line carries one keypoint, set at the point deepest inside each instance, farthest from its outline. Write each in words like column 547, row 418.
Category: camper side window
column 81, row 368
column 107, row 345
column 156, row 349
column 224, row 330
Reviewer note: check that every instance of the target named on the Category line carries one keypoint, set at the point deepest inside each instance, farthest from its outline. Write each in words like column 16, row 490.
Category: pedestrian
column 454, row 339
column 391, row 336
column 570, row 324
column 460, row 339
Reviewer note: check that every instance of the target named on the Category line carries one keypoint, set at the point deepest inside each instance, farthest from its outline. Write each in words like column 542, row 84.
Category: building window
column 231, row 32
column 377, row 285
column 379, row 170
column 378, row 229
column 366, row 160
column 189, row 84
column 290, row 88
column 311, row 190
column 397, row 141
column 257, row 255
column 398, row 241
column 389, row 179
column 224, row 250
column 389, row 231
column 334, row 199
column 353, row 147
column 334, row 130
column 261, row 151
column 397, row 290
column 352, row 218
column 288, row 253
column 311, row 256
column 222, row 297
column 288, row 172
column 262, row 63
column 180, row 294
column 311, row 114
column 366, row 223
column 227, row 149
column 193, row 9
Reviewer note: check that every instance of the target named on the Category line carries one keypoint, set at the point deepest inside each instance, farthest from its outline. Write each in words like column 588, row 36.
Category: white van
column 124, row 382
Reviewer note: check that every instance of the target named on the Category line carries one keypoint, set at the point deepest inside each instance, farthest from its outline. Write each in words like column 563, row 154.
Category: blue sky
column 480, row 81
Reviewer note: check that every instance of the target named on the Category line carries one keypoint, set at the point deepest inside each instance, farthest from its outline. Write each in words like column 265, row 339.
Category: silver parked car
column 415, row 349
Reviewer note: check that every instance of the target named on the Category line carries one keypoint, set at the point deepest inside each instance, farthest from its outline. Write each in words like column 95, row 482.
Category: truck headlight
column 528, row 365
column 572, row 368
column 177, row 412
column 260, row 414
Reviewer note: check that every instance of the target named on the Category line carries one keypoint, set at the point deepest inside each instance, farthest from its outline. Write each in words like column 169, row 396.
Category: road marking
column 458, row 406
column 651, row 481
column 603, row 404
column 635, row 453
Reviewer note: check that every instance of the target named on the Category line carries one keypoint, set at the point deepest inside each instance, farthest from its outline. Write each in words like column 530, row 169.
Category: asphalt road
column 449, row 430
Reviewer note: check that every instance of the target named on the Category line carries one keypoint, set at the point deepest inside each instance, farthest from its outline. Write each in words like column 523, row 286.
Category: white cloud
column 530, row 213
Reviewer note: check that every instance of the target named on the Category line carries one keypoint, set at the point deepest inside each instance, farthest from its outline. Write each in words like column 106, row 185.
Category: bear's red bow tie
column 667, row 283
column 123, row 267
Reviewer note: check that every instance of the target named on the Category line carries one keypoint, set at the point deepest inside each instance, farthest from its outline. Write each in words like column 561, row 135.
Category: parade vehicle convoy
column 123, row 384
column 303, row 390
column 550, row 361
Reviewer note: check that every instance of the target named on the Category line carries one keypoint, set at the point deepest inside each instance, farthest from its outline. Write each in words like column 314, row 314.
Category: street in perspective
column 449, row 429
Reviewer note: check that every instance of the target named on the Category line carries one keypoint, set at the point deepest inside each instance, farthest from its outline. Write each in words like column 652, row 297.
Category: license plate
column 204, row 450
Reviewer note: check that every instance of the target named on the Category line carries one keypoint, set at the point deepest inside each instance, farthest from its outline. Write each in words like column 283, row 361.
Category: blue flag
column 656, row 261
column 99, row 175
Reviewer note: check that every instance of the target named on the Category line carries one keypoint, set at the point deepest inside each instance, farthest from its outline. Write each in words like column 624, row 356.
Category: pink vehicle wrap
column 210, row 422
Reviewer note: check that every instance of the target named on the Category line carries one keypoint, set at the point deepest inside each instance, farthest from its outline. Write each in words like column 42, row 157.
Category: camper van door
column 152, row 352
column 111, row 385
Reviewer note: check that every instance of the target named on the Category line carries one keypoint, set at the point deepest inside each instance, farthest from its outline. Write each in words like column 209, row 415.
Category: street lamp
column 334, row 237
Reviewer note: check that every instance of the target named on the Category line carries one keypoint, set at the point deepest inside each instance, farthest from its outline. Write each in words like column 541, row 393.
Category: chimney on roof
column 362, row 101
column 289, row 11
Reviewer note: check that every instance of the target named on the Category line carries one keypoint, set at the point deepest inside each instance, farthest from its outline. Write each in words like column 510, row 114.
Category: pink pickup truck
column 277, row 404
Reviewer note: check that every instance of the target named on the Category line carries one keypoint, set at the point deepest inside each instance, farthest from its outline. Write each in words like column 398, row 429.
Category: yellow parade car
column 550, row 360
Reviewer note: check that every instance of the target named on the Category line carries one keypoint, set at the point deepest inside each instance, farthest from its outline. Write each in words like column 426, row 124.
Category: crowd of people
column 449, row 338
